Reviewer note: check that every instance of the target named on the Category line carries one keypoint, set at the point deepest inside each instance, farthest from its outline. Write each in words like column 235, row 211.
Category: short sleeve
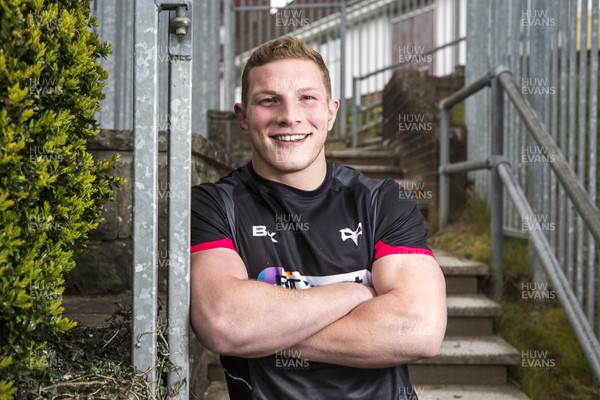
column 400, row 228
column 209, row 225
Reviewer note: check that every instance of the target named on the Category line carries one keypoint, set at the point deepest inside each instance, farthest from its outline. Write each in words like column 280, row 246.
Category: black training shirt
column 298, row 239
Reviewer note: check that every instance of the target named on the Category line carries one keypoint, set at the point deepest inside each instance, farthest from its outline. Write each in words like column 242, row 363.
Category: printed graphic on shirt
column 348, row 233
column 261, row 230
column 294, row 280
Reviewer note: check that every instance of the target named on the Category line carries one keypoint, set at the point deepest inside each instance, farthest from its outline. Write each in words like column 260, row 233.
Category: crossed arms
column 403, row 318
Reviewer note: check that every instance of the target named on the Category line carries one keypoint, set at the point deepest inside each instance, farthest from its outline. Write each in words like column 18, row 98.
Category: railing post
column 145, row 188
column 444, row 190
column 355, row 104
column 179, row 190
column 496, row 195
column 342, row 132
column 228, row 56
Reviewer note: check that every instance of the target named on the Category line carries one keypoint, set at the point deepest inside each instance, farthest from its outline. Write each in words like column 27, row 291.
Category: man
column 311, row 280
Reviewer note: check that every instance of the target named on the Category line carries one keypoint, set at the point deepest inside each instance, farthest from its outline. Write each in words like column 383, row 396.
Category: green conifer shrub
column 51, row 190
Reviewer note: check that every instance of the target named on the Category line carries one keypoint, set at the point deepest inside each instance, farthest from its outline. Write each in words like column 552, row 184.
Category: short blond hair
column 283, row 48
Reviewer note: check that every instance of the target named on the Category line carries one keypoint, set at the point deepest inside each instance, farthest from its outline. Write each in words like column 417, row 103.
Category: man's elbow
column 215, row 336
column 426, row 346
column 430, row 346
column 426, row 338
column 227, row 338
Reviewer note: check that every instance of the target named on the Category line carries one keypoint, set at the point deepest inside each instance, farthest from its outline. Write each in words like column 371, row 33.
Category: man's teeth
column 290, row 138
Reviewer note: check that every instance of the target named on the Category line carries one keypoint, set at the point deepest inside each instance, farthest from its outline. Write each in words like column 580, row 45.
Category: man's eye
column 267, row 101
column 308, row 97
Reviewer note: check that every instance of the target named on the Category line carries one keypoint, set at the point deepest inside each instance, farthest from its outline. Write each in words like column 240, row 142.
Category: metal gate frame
column 145, row 190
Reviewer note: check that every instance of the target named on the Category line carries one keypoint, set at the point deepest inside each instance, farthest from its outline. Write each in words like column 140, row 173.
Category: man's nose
column 289, row 113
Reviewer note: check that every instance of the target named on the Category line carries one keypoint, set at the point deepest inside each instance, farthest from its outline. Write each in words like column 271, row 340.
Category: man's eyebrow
column 272, row 92
column 265, row 91
column 307, row 89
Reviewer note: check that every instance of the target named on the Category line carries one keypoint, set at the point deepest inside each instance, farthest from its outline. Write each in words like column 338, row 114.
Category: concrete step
column 471, row 314
column 469, row 392
column 379, row 171
column 376, row 140
column 216, row 391
column 465, row 360
column 462, row 275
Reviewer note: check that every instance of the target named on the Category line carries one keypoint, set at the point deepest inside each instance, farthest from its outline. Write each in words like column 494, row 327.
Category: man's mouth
column 290, row 138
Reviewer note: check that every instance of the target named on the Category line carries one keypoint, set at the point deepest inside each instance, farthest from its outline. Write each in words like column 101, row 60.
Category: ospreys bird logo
column 347, row 233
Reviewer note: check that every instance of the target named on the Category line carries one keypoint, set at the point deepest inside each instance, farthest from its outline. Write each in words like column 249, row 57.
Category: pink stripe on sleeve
column 384, row 249
column 224, row 243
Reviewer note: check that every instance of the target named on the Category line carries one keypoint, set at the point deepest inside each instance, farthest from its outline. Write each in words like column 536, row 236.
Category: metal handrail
column 573, row 310
column 501, row 80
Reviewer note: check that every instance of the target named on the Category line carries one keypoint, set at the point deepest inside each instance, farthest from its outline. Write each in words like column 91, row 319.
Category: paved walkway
column 94, row 310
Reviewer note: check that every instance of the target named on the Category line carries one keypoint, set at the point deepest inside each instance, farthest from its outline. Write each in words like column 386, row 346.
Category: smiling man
column 310, row 280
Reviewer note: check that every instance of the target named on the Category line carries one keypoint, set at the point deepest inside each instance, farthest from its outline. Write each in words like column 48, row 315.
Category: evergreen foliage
column 51, row 190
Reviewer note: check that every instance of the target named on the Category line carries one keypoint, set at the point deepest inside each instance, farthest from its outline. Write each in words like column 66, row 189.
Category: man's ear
column 334, row 105
column 240, row 113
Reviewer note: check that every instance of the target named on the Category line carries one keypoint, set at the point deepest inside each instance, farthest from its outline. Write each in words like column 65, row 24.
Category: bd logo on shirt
column 261, row 230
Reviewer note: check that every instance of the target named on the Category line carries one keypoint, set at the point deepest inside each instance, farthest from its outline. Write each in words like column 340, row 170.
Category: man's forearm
column 378, row 333
column 257, row 319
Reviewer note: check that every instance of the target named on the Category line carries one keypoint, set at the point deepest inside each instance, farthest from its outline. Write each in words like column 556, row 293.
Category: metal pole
column 444, row 160
column 581, row 139
column 228, row 56
column 593, row 144
column 355, row 104
column 342, row 113
column 145, row 190
column 496, row 191
column 179, row 190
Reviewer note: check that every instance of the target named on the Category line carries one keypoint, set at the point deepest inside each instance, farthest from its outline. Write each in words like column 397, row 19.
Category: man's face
column 287, row 116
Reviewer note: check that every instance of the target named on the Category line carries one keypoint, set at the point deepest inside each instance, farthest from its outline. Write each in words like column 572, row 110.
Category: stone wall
column 225, row 132
column 106, row 265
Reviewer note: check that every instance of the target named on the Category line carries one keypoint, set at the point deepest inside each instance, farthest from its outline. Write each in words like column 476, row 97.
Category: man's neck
column 307, row 179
